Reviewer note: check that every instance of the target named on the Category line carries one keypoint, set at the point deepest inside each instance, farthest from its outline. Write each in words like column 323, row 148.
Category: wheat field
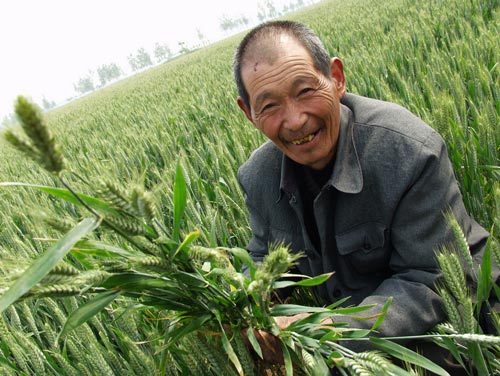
column 440, row 59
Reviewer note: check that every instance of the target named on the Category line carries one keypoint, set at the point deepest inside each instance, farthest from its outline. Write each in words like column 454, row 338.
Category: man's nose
column 295, row 117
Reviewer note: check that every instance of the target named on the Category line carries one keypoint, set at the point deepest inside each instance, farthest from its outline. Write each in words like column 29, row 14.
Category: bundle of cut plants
column 214, row 299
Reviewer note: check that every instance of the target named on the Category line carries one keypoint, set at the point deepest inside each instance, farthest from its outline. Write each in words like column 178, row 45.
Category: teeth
column 303, row 140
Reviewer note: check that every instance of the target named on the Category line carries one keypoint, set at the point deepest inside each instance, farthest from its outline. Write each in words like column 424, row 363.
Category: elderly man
column 358, row 185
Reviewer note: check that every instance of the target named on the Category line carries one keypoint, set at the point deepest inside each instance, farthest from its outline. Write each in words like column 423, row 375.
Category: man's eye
column 267, row 107
column 306, row 90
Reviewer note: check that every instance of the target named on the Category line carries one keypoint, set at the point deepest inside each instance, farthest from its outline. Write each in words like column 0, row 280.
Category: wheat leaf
column 484, row 276
column 7, row 363
column 407, row 355
column 242, row 255
column 180, row 197
column 191, row 237
column 101, row 249
column 477, row 357
column 44, row 264
column 293, row 309
column 182, row 330
column 306, row 282
column 321, row 368
column 288, row 360
column 85, row 312
column 230, row 352
column 397, row 371
column 382, row 314
column 253, row 341
column 66, row 195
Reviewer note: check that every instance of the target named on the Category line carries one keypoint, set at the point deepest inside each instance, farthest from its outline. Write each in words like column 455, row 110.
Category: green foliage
column 199, row 289
column 39, row 269
column 475, row 352
column 41, row 146
column 140, row 60
column 439, row 59
column 85, row 84
column 108, row 72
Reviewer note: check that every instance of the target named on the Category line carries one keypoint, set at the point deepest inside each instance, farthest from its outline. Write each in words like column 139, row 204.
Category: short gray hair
column 302, row 33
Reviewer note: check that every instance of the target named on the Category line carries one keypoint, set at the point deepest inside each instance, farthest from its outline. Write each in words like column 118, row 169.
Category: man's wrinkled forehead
column 265, row 49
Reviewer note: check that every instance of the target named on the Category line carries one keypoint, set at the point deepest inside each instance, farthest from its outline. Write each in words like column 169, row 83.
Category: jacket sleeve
column 418, row 229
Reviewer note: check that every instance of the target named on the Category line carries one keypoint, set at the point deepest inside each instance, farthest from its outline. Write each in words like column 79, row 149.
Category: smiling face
column 293, row 103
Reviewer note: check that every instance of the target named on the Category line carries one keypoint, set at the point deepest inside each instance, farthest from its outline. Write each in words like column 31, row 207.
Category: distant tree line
column 142, row 59
column 107, row 73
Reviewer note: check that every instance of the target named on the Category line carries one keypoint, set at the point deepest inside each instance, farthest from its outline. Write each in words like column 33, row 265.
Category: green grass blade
column 342, row 335
column 88, row 310
column 293, row 309
column 180, row 197
column 321, row 368
column 191, row 280
column 135, row 282
column 66, row 195
column 241, row 254
column 183, row 330
column 306, row 282
column 356, row 309
column 253, row 341
column 450, row 345
column 288, row 360
column 496, row 288
column 405, row 354
column 44, row 264
column 6, row 363
column 230, row 352
column 476, row 354
column 380, row 319
column 339, row 302
column 314, row 281
column 484, row 282
column 101, row 249
column 397, row 371
column 191, row 237
column 123, row 280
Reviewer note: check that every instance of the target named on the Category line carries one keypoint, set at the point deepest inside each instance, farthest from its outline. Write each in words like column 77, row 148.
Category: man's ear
column 245, row 109
column 337, row 72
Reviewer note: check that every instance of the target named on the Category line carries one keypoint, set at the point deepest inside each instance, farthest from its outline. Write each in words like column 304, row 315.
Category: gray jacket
column 380, row 215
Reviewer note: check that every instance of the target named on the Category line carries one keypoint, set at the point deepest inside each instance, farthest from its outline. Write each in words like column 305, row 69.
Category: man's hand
column 270, row 344
column 284, row 322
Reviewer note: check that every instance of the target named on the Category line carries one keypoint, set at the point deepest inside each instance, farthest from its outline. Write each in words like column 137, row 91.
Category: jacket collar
column 347, row 175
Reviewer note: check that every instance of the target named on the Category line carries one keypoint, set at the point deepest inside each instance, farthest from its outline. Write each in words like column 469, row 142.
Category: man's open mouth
column 303, row 140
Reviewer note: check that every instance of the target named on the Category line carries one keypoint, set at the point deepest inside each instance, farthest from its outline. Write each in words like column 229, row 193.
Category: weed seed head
column 42, row 147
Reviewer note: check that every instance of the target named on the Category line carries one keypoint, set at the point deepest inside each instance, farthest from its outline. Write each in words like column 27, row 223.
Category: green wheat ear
column 41, row 145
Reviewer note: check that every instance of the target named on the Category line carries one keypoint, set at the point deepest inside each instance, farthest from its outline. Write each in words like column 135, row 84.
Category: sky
column 47, row 46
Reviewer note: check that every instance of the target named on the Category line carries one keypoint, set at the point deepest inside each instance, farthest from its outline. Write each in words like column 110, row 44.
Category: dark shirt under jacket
column 379, row 217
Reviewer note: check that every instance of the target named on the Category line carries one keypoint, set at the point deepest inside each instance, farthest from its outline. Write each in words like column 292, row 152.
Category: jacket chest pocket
column 365, row 247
